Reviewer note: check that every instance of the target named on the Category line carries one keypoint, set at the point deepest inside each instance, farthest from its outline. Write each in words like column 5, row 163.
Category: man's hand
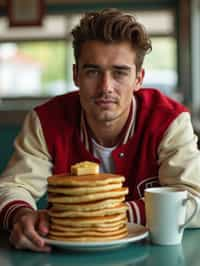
column 28, row 229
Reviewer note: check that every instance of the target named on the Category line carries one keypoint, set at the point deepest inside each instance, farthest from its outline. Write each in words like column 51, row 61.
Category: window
column 161, row 64
column 37, row 62
column 35, row 68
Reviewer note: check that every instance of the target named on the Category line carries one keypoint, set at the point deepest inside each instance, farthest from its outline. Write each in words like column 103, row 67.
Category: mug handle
column 189, row 198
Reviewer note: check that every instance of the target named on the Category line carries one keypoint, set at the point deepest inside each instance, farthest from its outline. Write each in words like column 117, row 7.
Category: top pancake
column 85, row 180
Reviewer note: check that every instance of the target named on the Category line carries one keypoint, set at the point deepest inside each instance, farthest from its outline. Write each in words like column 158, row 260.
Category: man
column 139, row 133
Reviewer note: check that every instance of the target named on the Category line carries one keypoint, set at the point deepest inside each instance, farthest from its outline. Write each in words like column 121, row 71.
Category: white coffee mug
column 165, row 209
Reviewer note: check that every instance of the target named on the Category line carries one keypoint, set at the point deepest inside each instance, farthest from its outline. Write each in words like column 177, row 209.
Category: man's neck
column 108, row 133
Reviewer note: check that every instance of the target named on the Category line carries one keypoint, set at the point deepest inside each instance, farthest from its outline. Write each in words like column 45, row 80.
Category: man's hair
column 112, row 26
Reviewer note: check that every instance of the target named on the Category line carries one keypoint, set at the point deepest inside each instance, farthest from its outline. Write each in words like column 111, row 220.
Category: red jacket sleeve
column 136, row 211
column 9, row 211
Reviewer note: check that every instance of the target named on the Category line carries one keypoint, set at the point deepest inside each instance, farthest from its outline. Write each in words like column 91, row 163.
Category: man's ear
column 75, row 75
column 139, row 79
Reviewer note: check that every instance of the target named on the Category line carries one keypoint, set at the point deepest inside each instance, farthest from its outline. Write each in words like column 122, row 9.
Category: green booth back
column 7, row 137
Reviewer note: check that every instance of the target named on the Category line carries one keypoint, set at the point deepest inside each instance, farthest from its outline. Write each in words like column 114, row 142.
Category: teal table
column 141, row 253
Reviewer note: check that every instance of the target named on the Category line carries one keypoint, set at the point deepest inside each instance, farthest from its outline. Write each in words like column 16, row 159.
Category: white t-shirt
column 104, row 155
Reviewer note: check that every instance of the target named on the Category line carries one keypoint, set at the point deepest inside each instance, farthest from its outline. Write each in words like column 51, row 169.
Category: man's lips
column 105, row 102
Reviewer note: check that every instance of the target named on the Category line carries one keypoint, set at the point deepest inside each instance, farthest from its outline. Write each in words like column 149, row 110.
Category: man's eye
column 120, row 74
column 92, row 72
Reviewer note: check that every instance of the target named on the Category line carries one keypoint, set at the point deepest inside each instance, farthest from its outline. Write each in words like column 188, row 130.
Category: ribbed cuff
column 8, row 212
column 136, row 211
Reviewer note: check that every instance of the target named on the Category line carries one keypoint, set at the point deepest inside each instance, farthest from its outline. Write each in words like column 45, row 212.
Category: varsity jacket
column 139, row 159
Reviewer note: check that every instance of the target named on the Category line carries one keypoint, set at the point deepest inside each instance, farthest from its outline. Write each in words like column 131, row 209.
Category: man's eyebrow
column 90, row 66
column 122, row 67
column 119, row 67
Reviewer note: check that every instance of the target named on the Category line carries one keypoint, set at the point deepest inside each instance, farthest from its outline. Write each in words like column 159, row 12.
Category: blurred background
column 36, row 53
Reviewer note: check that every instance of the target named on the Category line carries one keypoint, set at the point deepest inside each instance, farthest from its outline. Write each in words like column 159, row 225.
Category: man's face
column 106, row 77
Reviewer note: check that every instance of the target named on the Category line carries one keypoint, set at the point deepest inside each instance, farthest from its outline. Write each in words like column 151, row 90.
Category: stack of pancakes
column 87, row 207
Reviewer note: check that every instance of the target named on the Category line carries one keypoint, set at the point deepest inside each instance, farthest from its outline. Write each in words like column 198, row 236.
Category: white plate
column 135, row 233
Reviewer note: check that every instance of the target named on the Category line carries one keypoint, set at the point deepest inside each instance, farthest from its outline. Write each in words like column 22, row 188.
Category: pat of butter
column 85, row 168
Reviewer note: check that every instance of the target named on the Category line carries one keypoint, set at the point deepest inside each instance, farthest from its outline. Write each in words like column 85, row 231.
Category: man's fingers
column 25, row 229
column 33, row 236
column 43, row 223
column 27, row 239
column 25, row 243
column 28, row 229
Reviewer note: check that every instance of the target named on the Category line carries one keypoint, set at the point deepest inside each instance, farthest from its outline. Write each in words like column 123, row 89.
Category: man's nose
column 106, row 82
